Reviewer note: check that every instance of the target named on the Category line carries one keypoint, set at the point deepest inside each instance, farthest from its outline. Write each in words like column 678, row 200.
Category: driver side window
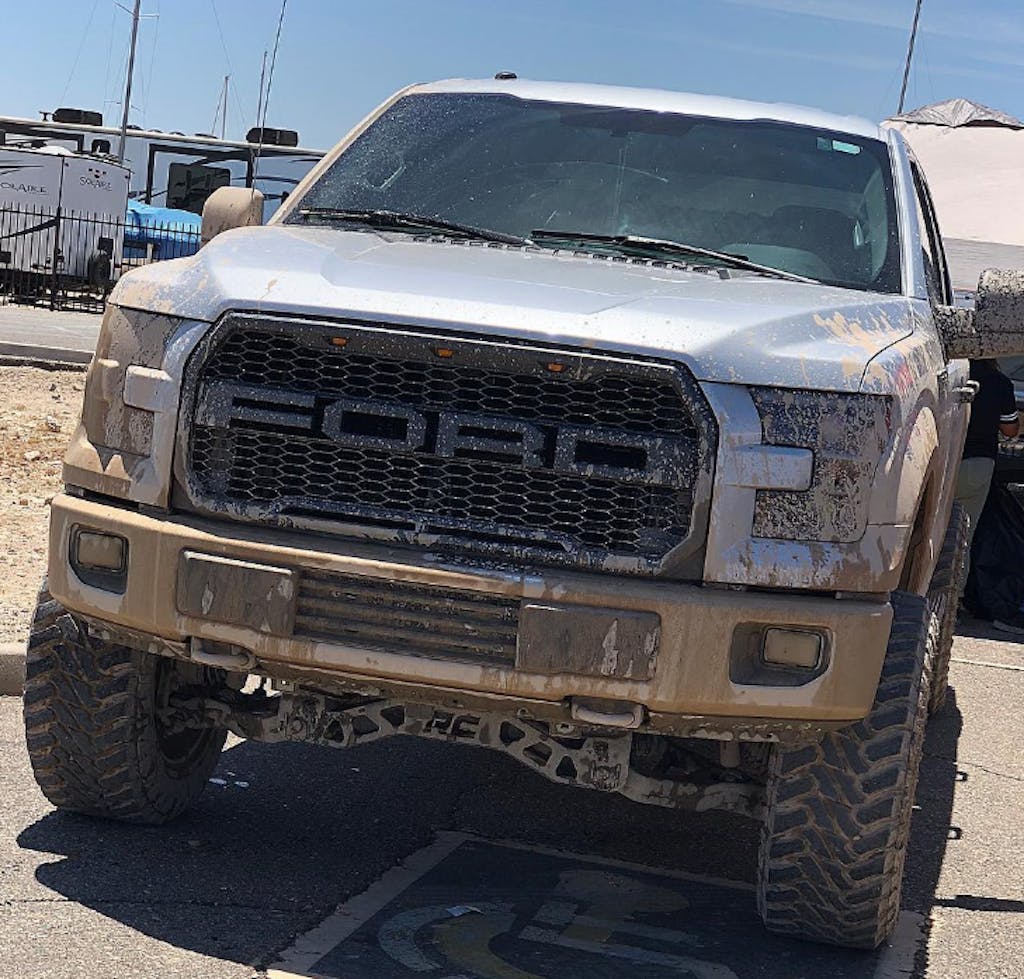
column 936, row 274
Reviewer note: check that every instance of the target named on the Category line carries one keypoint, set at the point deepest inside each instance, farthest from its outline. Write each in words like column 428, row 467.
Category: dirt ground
column 38, row 412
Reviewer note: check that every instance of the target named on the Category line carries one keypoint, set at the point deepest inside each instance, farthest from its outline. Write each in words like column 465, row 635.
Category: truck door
column 950, row 415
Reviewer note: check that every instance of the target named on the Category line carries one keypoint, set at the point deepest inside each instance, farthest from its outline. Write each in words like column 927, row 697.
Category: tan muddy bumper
column 677, row 650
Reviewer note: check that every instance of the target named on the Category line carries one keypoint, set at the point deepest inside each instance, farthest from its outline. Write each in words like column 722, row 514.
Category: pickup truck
column 612, row 429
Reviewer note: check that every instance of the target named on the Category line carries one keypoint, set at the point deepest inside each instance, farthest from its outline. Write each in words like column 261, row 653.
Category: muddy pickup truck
column 615, row 430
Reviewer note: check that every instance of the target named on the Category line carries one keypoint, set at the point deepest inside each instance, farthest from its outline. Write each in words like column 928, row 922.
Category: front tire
column 92, row 726
column 835, row 835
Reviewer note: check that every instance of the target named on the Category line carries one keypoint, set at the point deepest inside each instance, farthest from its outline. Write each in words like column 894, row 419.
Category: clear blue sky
column 339, row 58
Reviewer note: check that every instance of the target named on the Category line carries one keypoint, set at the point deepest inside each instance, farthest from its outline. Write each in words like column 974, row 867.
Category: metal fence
column 68, row 260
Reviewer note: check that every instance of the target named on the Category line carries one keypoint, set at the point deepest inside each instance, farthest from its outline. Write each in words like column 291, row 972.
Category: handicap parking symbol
column 472, row 909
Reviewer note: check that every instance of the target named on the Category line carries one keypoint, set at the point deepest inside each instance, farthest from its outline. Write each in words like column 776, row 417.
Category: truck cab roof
column 659, row 100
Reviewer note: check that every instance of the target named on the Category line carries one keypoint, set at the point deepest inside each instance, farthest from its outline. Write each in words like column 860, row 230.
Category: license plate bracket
column 586, row 640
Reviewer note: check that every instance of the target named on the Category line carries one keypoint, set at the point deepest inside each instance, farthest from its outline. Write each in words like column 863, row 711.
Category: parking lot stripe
column 314, row 945
column 897, row 961
column 735, row 885
column 992, row 666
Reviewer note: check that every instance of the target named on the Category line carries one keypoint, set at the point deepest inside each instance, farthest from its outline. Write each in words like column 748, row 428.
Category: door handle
column 965, row 393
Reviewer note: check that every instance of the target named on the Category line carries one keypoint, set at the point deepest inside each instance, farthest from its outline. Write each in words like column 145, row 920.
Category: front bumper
column 690, row 672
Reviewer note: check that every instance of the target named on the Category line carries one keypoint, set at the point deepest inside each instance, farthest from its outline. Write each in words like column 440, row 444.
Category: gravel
column 38, row 413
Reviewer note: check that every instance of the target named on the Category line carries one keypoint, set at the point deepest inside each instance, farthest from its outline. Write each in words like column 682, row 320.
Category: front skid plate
column 594, row 761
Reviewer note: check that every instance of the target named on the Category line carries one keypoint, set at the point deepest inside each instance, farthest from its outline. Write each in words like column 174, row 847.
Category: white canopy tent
column 973, row 158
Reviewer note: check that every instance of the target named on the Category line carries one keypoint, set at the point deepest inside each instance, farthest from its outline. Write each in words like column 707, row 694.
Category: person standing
column 993, row 413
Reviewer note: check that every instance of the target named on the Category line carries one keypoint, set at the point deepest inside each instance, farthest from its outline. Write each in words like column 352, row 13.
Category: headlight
column 127, row 338
column 124, row 443
column 848, row 434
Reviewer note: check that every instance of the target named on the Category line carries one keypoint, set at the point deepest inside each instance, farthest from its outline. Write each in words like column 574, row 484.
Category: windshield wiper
column 383, row 219
column 639, row 243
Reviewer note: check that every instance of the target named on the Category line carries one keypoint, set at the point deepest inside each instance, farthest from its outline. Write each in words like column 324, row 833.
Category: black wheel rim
column 180, row 750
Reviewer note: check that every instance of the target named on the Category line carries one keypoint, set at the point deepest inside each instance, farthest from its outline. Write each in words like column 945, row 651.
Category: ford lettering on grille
column 584, row 451
column 365, row 430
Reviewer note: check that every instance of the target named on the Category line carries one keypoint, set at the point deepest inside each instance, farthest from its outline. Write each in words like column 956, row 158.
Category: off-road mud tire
column 944, row 600
column 835, row 834
column 91, row 726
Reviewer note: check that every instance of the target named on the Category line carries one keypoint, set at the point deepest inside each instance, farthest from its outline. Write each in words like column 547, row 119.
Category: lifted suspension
column 589, row 759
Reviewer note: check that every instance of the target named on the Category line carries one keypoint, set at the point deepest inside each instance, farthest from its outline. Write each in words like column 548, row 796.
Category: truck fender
column 904, row 480
column 919, row 459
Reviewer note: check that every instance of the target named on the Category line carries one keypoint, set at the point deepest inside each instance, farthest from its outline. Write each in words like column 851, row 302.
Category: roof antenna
column 910, row 54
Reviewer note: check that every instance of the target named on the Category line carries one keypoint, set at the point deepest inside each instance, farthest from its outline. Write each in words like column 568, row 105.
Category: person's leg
column 972, row 485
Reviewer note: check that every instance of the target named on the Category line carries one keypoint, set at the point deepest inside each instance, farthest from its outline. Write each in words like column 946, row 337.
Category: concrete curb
column 31, row 355
column 12, row 668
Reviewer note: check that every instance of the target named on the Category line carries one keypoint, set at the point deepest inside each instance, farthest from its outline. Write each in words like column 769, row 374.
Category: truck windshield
column 814, row 203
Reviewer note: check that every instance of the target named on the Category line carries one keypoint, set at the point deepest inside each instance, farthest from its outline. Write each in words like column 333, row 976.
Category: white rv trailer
column 170, row 169
column 59, row 211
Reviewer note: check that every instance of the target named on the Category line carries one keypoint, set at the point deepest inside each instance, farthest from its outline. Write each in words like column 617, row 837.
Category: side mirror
column 231, row 207
column 995, row 327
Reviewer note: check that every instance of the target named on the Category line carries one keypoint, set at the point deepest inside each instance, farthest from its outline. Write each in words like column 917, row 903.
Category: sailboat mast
column 128, row 83
column 910, row 54
column 224, row 112
column 259, row 103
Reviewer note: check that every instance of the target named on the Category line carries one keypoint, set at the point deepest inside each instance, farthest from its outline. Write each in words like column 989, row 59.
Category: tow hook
column 222, row 656
column 618, row 714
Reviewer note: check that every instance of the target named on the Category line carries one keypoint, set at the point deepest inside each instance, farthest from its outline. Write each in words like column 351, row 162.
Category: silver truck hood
column 746, row 328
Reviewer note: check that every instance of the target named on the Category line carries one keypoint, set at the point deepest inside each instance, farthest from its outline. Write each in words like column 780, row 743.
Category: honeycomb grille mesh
column 255, row 356
column 267, row 469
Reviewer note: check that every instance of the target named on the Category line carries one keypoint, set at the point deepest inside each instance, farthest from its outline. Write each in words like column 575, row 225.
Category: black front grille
column 461, row 446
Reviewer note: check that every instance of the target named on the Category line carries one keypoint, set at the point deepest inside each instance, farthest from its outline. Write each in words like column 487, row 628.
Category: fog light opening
column 99, row 559
column 102, row 552
column 792, row 647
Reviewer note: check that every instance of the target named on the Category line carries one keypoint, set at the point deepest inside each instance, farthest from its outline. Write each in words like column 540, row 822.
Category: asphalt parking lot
column 404, row 858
